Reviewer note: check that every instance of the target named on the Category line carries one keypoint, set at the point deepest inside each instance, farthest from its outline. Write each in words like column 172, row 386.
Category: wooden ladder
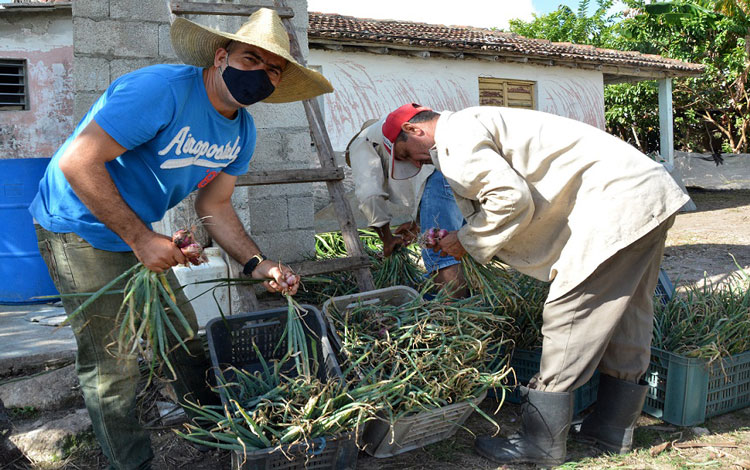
column 357, row 260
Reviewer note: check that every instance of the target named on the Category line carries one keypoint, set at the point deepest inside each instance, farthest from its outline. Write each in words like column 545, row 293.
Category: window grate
column 13, row 85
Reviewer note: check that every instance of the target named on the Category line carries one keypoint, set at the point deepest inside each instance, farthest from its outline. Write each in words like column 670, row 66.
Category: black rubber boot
column 618, row 405
column 545, row 421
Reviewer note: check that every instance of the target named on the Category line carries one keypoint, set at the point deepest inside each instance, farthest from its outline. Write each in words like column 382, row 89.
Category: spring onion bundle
column 274, row 407
column 267, row 409
column 149, row 317
column 527, row 312
column 441, row 351
column 708, row 321
column 492, row 282
column 401, row 268
column 144, row 320
column 329, row 245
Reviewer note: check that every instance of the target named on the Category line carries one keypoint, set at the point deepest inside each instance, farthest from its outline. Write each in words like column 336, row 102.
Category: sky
column 480, row 13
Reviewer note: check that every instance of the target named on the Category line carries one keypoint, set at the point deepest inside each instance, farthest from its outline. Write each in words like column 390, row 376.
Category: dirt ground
column 700, row 244
column 703, row 242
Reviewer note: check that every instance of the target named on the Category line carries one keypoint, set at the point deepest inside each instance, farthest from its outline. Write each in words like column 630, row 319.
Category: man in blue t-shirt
column 156, row 135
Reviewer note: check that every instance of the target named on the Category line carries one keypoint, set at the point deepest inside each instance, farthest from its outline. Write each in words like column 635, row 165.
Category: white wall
column 370, row 85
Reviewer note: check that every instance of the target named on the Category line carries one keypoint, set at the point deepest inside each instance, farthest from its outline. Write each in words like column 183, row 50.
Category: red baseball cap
column 391, row 129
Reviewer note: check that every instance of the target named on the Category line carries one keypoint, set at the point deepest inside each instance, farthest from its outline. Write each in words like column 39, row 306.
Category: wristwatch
column 253, row 263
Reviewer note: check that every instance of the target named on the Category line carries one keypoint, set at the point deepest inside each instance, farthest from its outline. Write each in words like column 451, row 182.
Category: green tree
column 565, row 25
column 711, row 111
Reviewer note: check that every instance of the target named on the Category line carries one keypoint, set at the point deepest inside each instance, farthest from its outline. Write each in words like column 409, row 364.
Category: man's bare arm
column 214, row 202
column 83, row 165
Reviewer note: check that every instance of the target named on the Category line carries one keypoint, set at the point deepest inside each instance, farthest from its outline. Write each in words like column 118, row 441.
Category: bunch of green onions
column 328, row 245
column 527, row 312
column 440, row 352
column 144, row 318
column 267, row 410
column 401, row 268
column 273, row 408
column 706, row 321
column 492, row 282
column 149, row 316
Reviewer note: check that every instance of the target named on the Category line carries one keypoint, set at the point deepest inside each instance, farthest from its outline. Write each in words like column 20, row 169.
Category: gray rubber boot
column 545, row 421
column 618, row 405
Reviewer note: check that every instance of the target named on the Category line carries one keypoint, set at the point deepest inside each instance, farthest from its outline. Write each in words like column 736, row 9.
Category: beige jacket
column 550, row 196
column 371, row 168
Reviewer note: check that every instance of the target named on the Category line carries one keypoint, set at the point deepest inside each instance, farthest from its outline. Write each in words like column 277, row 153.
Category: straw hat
column 196, row 45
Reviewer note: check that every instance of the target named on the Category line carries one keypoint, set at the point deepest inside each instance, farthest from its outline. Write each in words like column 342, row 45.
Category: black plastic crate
column 230, row 343
column 526, row 365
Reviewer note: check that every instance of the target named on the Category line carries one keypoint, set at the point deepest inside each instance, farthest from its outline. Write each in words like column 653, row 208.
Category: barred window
column 13, row 88
column 508, row 93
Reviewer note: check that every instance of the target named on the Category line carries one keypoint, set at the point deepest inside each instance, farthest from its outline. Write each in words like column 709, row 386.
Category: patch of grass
column 645, row 438
column 80, row 443
column 569, row 466
column 23, row 412
column 602, row 461
column 448, row 450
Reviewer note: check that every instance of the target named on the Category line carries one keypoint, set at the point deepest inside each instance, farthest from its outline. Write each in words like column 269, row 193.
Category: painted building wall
column 45, row 40
column 370, row 85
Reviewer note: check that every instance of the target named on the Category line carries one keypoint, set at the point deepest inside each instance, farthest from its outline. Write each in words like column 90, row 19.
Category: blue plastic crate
column 526, row 365
column 685, row 391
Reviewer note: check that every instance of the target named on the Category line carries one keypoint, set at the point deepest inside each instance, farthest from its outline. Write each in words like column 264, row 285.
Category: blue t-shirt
column 176, row 142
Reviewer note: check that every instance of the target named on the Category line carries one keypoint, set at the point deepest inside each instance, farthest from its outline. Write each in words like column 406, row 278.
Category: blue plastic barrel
column 23, row 273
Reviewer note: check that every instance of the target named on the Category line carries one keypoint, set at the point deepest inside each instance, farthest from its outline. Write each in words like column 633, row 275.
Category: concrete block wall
column 114, row 37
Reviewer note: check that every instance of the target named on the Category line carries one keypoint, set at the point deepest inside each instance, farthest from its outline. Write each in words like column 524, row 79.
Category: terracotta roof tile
column 343, row 29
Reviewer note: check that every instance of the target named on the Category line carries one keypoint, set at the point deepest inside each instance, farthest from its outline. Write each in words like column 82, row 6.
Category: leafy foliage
column 711, row 111
column 565, row 25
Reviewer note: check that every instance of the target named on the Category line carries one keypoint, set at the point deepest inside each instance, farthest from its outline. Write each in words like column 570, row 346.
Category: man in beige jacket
column 427, row 195
column 564, row 202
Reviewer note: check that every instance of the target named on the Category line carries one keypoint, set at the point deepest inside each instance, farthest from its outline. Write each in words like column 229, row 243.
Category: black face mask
column 247, row 86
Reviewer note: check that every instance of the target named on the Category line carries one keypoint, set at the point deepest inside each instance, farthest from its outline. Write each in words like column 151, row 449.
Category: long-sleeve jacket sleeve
column 502, row 200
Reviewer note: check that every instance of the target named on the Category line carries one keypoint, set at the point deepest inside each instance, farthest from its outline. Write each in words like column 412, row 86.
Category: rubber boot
column 545, row 421
column 618, row 405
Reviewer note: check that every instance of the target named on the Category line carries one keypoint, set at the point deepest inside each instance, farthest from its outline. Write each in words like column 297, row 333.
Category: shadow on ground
column 709, row 200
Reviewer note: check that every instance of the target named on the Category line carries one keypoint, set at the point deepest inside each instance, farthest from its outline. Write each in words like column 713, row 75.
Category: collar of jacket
column 365, row 125
column 441, row 150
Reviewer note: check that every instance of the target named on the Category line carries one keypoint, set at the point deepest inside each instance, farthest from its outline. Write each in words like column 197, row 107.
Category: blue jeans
column 438, row 209
column 109, row 381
